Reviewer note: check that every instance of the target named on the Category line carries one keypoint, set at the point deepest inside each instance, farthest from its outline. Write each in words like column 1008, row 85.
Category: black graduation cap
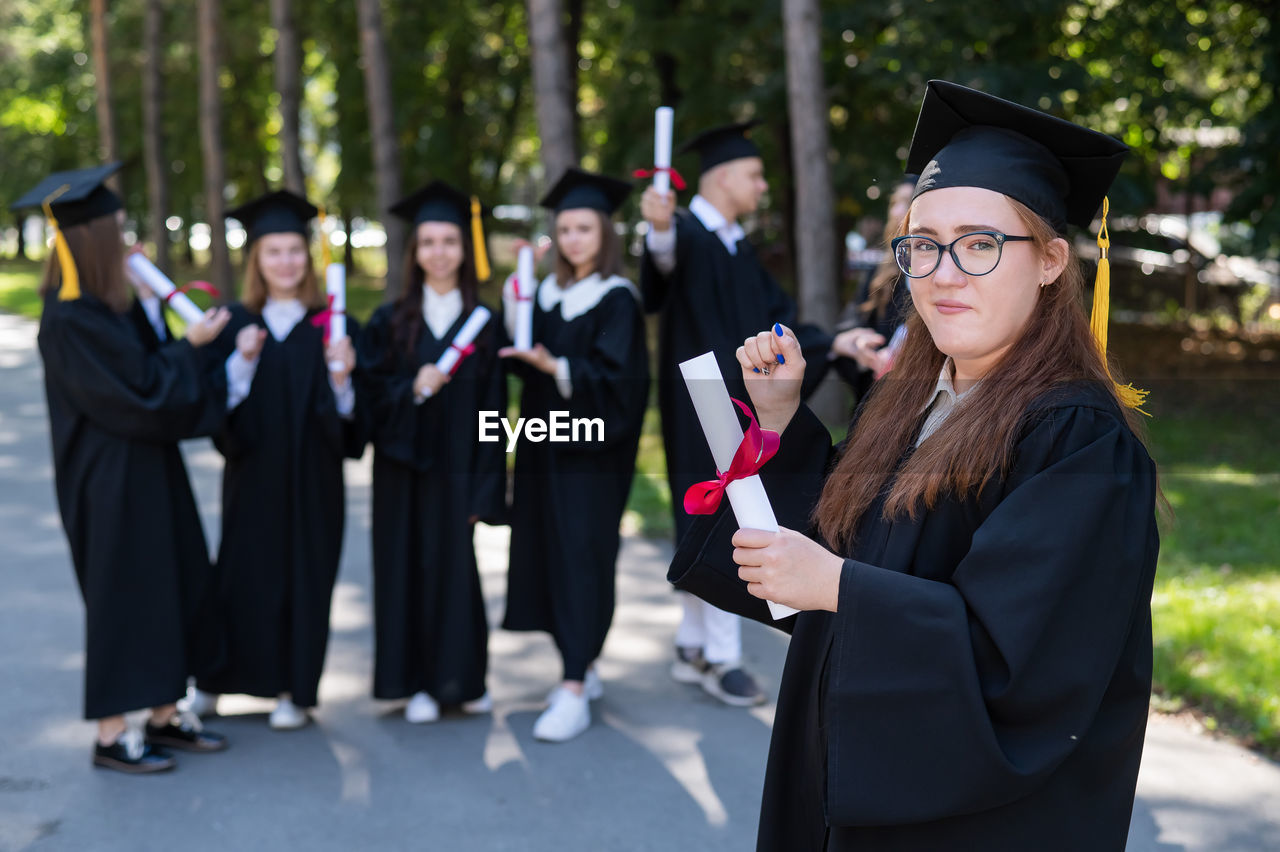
column 577, row 188
column 279, row 212
column 441, row 202
column 435, row 202
column 969, row 138
column 722, row 144
column 74, row 196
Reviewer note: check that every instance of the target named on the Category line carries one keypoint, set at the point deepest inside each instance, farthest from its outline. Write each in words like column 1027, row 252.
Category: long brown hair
column 608, row 259
column 254, row 295
column 98, row 250
column 975, row 443
column 406, row 318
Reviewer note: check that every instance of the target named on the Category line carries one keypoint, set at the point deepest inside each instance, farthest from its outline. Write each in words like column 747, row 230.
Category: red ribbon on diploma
column 463, row 352
column 757, row 447
column 322, row 318
column 202, row 286
column 676, row 180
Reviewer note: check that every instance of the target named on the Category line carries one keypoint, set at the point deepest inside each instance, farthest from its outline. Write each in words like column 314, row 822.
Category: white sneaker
column 592, row 686
column 421, row 708
column 287, row 716
column 568, row 716
column 199, row 702
column 478, row 706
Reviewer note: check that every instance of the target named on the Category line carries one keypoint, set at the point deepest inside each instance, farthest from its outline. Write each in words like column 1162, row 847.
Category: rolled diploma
column 662, row 121
column 525, row 287
column 465, row 336
column 163, row 287
column 335, row 284
column 719, row 420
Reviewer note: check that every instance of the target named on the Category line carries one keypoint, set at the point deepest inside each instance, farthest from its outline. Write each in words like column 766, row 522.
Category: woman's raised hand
column 773, row 370
column 209, row 326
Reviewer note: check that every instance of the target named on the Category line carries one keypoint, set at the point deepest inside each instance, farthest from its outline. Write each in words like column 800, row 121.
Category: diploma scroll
column 452, row 357
column 160, row 284
column 525, row 287
column 663, row 118
column 719, row 422
column 335, row 284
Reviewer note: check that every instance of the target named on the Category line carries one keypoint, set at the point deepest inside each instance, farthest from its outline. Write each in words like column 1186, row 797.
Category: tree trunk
column 152, row 131
column 815, row 237
column 554, row 95
column 386, row 161
column 107, row 141
column 22, row 237
column 215, row 170
column 288, row 68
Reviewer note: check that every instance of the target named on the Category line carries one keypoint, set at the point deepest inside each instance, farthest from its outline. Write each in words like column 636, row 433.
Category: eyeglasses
column 975, row 253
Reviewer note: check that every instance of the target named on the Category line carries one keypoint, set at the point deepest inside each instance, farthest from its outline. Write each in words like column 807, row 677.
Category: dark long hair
column 98, row 250
column 975, row 443
column 406, row 318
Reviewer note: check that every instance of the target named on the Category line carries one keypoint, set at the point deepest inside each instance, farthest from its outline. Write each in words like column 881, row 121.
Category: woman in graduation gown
column 432, row 478
column 590, row 361
column 971, row 666
column 118, row 405
column 292, row 421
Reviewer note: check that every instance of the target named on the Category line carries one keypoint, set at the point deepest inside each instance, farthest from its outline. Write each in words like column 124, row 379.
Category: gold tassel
column 477, row 238
column 70, row 288
column 325, row 257
column 1132, row 397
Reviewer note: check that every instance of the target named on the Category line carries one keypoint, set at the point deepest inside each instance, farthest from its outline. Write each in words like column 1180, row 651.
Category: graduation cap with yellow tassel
column 68, row 199
column 440, row 202
column 1058, row 169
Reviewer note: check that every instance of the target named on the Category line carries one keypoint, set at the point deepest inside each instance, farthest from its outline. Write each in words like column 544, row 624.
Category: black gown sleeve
column 110, row 377
column 387, row 389
column 611, row 381
column 489, row 474
column 947, row 698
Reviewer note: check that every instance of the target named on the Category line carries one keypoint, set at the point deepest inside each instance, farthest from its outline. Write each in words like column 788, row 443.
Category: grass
column 1216, row 605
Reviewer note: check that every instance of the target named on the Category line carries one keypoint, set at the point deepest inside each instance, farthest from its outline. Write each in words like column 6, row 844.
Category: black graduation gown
column 986, row 680
column 569, row 497
column 883, row 321
column 117, row 408
column 282, row 514
column 712, row 301
column 430, row 474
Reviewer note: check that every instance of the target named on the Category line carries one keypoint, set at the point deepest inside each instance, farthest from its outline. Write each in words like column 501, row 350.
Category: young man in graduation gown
column 293, row 419
column 971, row 664
column 705, row 278
column 118, row 405
column 432, row 478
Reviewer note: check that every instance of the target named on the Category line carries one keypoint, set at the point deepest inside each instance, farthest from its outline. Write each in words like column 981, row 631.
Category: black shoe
column 734, row 686
column 183, row 731
column 130, row 754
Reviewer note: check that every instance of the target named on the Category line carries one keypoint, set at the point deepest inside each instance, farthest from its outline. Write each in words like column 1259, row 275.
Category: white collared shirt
column 662, row 244
column 281, row 315
column 943, row 402
column 441, row 311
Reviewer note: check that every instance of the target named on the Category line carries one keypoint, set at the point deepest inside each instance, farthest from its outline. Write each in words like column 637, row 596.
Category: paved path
column 664, row 767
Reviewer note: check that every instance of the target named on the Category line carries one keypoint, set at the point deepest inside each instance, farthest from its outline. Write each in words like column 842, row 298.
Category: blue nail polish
column 781, row 360
column 755, row 369
column 777, row 328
